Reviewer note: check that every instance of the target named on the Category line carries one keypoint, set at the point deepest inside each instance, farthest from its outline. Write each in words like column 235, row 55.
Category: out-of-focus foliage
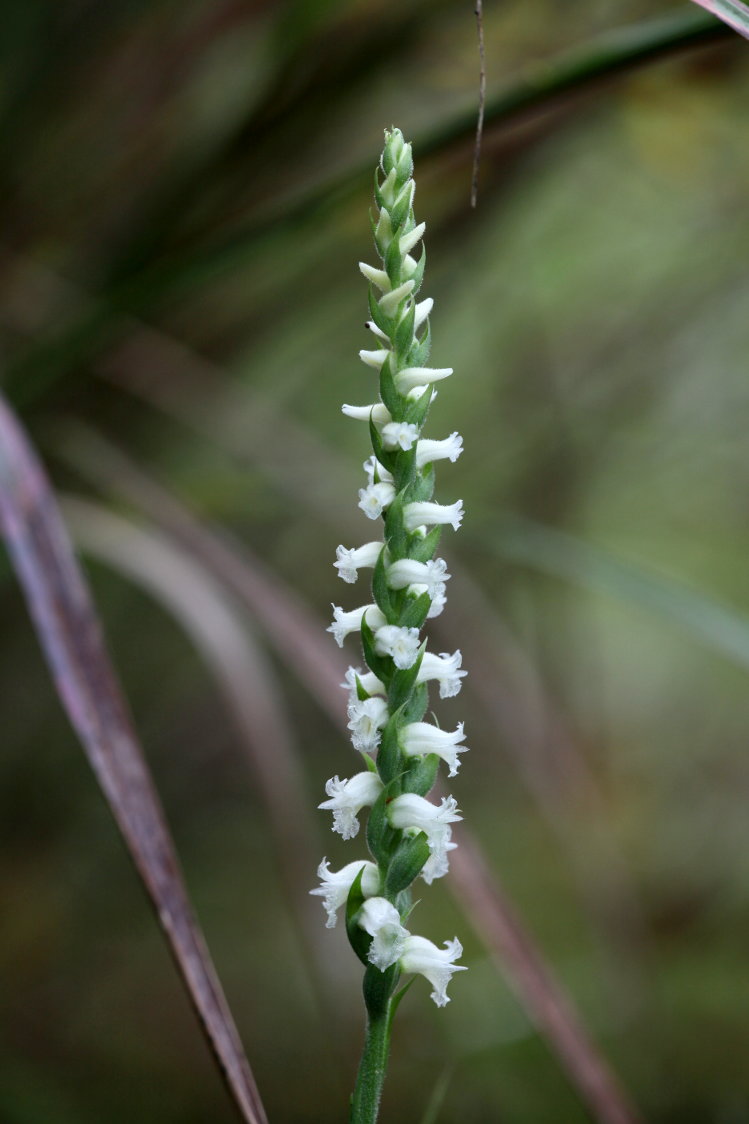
column 184, row 204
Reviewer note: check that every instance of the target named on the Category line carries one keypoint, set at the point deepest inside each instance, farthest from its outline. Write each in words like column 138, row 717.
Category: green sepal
column 381, row 837
column 369, row 762
column 379, row 198
column 386, row 457
column 386, row 160
column 393, row 261
column 389, row 764
column 358, row 939
column 406, row 864
column 380, row 665
column 421, row 775
column 414, row 612
column 381, row 591
column 389, row 392
column 417, row 409
column 395, row 533
column 361, row 694
column 422, row 487
column 404, row 333
column 405, row 168
column 422, row 549
column 403, row 681
column 419, row 353
column 383, row 322
column 418, row 274
column 400, row 212
column 378, row 987
column 396, row 1001
column 415, row 708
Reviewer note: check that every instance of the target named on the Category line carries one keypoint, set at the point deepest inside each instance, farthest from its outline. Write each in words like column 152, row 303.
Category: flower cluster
column 407, row 834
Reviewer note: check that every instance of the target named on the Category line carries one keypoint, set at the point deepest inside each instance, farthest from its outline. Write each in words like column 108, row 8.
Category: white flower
column 378, row 412
column 420, row 738
column 375, row 498
column 390, row 301
column 351, row 559
column 437, row 964
column 336, row 885
column 381, row 920
column 423, row 309
column 407, row 571
column 399, row 435
column 416, row 514
column 400, row 643
column 413, row 814
column 344, row 623
column 449, row 448
column 445, row 669
column 374, row 358
column 378, row 331
column 410, row 377
column 439, row 600
column 407, row 242
column 366, row 718
column 378, row 277
column 373, row 468
column 368, row 680
column 347, row 798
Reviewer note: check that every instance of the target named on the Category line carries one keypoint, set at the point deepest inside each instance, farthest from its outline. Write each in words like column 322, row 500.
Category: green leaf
column 415, row 610
column 421, row 774
column 415, row 707
column 389, row 764
column 381, row 591
column 378, row 987
column 419, row 353
column 406, row 864
column 389, row 392
column 393, row 261
column 422, row 486
column 381, row 837
column 418, row 274
column 380, row 665
column 395, row 533
column 422, row 549
column 383, row 322
column 417, row 409
column 386, row 457
column 403, row 680
column 358, row 939
column 404, row 333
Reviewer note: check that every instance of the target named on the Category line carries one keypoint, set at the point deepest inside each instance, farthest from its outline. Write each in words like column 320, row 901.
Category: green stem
column 365, row 1102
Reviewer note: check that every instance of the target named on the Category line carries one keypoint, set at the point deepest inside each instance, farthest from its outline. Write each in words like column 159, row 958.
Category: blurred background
column 184, row 195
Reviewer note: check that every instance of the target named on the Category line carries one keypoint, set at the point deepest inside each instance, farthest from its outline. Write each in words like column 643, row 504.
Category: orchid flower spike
column 409, row 836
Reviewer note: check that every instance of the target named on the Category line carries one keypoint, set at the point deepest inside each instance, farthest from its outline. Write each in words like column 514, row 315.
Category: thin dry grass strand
column 70, row 636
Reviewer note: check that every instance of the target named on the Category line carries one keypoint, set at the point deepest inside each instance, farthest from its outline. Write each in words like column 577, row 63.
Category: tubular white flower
column 437, row 964
column 369, row 681
column 402, row 644
column 412, row 813
column 337, row 884
column 378, row 412
column 373, row 468
column 439, row 600
column 375, row 498
column 416, row 514
column 445, row 668
column 390, row 301
column 347, row 798
column 417, row 739
column 381, row 920
column 423, row 309
column 378, row 277
column 410, row 377
column 449, row 448
column 407, row 571
column 377, row 331
column 351, row 559
column 366, row 719
column 407, row 242
column 374, row 358
column 347, row 622
column 399, row 435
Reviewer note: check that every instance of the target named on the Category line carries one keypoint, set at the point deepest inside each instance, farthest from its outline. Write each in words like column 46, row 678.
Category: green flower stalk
column 408, row 836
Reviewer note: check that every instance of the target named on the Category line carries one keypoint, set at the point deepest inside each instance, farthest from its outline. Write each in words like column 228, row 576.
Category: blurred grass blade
column 70, row 636
column 551, row 1010
column 718, row 627
column 732, row 12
